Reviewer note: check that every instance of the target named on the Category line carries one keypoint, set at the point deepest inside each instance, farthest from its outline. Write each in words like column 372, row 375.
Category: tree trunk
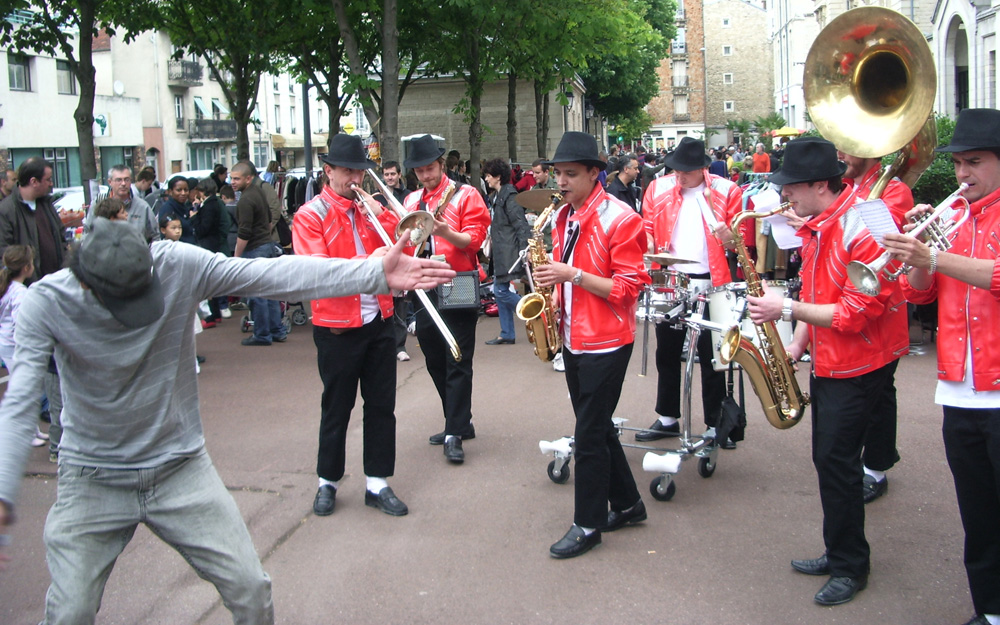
column 540, row 125
column 84, row 114
column 512, row 116
column 389, row 131
column 475, row 88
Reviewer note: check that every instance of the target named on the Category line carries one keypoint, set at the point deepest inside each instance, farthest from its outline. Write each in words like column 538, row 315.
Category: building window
column 728, row 106
column 60, row 166
column 727, row 50
column 291, row 115
column 680, row 105
column 679, row 45
column 179, row 111
column 259, row 155
column 65, row 80
column 725, row 22
column 274, row 81
column 277, row 118
column 727, row 79
column 19, row 72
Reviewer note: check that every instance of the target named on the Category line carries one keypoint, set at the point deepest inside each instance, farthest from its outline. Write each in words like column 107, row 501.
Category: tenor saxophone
column 769, row 367
column 536, row 309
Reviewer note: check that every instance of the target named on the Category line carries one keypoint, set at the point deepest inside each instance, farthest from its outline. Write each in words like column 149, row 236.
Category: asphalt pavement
column 474, row 548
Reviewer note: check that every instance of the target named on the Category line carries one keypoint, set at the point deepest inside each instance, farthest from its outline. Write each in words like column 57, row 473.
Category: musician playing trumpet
column 856, row 342
column 355, row 341
column 966, row 284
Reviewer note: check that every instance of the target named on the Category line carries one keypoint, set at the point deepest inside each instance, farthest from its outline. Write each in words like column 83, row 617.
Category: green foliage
column 766, row 124
column 938, row 182
column 742, row 128
column 632, row 128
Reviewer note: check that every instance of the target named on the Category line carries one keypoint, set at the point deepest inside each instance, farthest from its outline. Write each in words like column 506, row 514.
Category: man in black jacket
column 621, row 185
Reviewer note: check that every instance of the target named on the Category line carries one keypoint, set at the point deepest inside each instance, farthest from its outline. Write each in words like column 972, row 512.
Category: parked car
column 71, row 198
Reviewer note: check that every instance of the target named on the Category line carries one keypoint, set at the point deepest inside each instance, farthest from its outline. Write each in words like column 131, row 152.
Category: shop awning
column 297, row 142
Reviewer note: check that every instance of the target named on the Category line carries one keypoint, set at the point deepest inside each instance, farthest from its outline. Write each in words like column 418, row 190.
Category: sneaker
column 557, row 363
column 54, row 457
column 226, row 313
column 412, row 328
column 402, row 356
column 38, row 441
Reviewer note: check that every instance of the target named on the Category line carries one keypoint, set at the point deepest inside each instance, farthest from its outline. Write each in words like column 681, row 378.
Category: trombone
column 419, row 223
column 934, row 229
column 449, row 338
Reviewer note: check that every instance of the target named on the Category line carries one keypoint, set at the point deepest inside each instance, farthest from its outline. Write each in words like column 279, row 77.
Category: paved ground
column 474, row 548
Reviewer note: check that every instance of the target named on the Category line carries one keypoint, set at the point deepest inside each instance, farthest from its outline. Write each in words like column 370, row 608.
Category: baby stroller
column 291, row 313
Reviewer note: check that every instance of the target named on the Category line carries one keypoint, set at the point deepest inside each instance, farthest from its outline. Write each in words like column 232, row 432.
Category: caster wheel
column 245, row 324
column 661, row 492
column 299, row 317
column 561, row 476
column 706, row 467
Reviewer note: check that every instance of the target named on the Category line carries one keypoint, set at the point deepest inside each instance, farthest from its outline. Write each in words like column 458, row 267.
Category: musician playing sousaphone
column 879, row 454
column 856, row 342
column 966, row 284
column 354, row 337
column 596, row 275
column 679, row 220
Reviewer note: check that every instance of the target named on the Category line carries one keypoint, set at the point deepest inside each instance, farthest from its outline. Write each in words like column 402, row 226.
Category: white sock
column 323, row 483
column 994, row 619
column 449, row 437
column 376, row 484
column 668, row 420
column 878, row 475
column 587, row 531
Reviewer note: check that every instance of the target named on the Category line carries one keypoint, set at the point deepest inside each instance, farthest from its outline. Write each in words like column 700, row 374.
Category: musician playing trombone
column 880, row 453
column 354, row 335
column 856, row 340
column 966, row 285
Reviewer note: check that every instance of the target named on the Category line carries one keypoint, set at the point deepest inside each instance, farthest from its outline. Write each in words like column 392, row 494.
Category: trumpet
column 442, row 327
column 936, row 229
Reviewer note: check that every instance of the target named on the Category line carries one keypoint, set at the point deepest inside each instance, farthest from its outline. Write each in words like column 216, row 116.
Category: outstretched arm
column 406, row 273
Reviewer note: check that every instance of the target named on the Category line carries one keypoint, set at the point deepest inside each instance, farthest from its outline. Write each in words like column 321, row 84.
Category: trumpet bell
column 869, row 81
column 864, row 278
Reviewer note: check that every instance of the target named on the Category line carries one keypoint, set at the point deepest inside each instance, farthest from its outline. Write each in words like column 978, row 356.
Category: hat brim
column 589, row 162
column 138, row 311
column 361, row 165
column 781, row 177
column 946, row 149
column 426, row 160
column 672, row 163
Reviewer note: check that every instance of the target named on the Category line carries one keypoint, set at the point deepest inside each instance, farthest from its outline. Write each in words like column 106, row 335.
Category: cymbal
column 666, row 259
column 535, row 200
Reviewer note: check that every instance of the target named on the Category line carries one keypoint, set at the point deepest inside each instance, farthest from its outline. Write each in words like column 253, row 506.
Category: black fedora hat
column 348, row 151
column 976, row 129
column 689, row 155
column 424, row 150
column 808, row 159
column 577, row 147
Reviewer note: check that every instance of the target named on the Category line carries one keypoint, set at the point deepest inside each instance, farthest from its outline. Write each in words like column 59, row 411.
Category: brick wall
column 741, row 28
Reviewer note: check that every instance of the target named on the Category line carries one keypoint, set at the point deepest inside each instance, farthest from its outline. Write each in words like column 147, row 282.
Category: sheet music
column 877, row 218
column 766, row 201
column 784, row 235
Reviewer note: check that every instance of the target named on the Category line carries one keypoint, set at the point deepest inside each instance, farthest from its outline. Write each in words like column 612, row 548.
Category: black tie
column 572, row 234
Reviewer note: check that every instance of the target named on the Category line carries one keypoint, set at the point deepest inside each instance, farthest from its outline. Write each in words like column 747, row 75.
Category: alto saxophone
column 536, row 309
column 769, row 367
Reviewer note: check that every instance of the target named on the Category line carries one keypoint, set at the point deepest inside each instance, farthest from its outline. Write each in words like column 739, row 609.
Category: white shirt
column 689, row 234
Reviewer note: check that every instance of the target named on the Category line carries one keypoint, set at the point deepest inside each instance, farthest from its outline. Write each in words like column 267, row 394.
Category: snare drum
column 727, row 306
column 671, row 286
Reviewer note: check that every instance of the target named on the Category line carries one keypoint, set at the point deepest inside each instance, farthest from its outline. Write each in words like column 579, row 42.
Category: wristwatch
column 578, row 278
column 786, row 309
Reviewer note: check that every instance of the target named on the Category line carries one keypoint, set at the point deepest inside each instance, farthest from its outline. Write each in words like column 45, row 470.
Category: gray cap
column 115, row 262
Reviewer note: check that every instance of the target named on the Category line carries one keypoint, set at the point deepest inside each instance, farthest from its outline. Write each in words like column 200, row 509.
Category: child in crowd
column 170, row 227
column 111, row 208
column 18, row 266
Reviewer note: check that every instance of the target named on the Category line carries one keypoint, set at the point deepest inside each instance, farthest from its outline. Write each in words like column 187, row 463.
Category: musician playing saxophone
column 596, row 275
column 856, row 342
column 966, row 284
column 879, row 453
column 676, row 221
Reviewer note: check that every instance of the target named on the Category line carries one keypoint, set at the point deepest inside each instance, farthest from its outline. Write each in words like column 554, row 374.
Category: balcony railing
column 680, row 82
column 221, row 129
column 682, row 117
column 184, row 73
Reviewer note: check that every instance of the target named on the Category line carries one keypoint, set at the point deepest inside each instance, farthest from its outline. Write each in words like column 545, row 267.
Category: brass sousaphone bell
column 869, row 84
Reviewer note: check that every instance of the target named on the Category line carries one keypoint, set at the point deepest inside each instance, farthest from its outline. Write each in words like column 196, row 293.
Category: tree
column 938, row 181
column 236, row 38
column 69, row 27
column 741, row 128
column 766, row 125
column 634, row 126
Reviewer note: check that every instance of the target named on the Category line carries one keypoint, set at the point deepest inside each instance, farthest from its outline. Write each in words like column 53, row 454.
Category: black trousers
column 972, row 444
column 453, row 380
column 669, row 348
column 841, row 415
column 880, row 452
column 602, row 472
column 364, row 355
column 399, row 321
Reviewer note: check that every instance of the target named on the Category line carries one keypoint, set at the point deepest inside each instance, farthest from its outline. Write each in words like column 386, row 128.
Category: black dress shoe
column 253, row 340
column 728, row 444
column 453, row 451
column 438, row 439
column 500, row 341
column 873, row 488
column 818, row 566
column 386, row 501
column 657, row 431
column 838, row 590
column 618, row 520
column 978, row 619
column 575, row 543
column 326, row 499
